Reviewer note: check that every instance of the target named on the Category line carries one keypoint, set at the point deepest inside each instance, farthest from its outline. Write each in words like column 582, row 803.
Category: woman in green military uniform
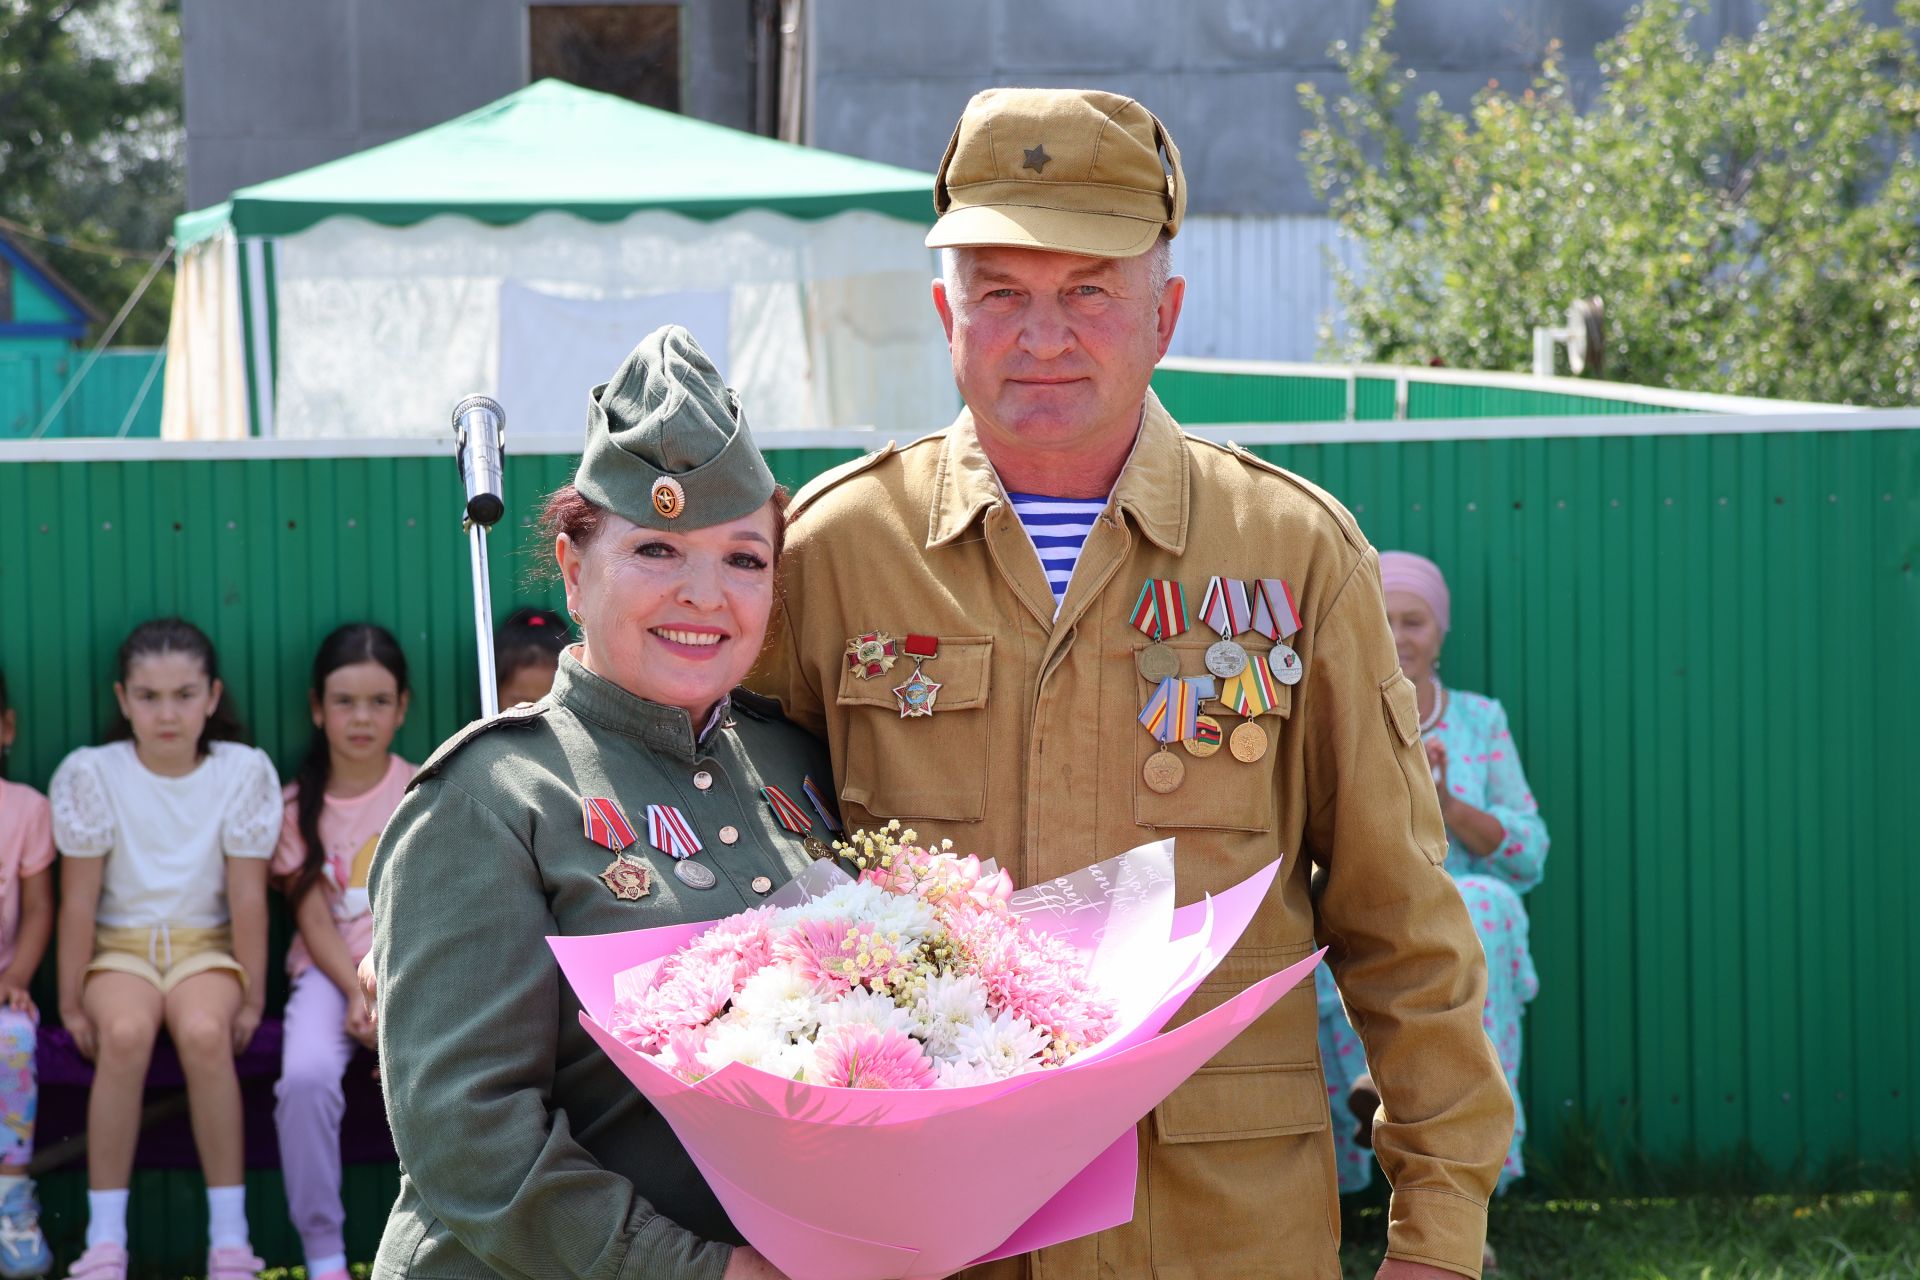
column 640, row 792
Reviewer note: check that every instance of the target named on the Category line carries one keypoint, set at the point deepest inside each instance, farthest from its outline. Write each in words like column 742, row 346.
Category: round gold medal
column 1205, row 740
column 1164, row 772
column 1248, row 743
column 1157, row 663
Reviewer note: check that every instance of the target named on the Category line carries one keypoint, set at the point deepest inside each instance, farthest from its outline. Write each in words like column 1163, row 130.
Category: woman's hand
column 747, row 1264
column 369, row 989
column 246, row 1021
column 1437, row 762
column 14, row 995
column 80, row 1027
column 359, row 1021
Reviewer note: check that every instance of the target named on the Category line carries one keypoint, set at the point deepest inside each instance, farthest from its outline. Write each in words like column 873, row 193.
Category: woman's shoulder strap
column 519, row 717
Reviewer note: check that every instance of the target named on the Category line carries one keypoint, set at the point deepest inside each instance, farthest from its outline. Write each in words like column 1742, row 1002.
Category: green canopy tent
column 522, row 248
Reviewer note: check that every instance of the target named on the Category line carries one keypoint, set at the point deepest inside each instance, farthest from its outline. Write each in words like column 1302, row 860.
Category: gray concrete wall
column 891, row 76
column 277, row 86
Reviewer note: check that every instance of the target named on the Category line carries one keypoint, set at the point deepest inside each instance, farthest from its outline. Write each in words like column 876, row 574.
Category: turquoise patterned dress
column 1483, row 769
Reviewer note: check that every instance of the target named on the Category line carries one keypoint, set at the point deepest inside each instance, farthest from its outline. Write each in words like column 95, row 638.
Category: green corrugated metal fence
column 1705, row 643
column 31, row 381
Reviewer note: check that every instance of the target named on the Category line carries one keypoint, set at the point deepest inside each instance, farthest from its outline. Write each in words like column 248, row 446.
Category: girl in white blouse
column 166, row 832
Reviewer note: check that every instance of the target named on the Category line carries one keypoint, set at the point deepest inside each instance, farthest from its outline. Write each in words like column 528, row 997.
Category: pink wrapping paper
column 1033, row 1160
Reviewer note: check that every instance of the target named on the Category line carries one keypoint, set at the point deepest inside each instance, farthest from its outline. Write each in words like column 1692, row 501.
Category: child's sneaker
column 23, row 1249
column 100, row 1262
column 233, row 1262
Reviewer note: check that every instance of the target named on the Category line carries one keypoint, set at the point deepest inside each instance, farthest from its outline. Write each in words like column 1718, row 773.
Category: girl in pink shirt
column 348, row 786
column 26, row 922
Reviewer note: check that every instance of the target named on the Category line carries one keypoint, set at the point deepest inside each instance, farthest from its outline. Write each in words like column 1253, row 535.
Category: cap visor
column 1098, row 235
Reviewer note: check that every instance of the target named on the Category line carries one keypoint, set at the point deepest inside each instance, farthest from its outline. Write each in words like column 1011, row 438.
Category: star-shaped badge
column 1037, row 158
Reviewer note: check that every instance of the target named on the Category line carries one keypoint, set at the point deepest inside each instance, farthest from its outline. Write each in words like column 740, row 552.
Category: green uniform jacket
column 523, row 1150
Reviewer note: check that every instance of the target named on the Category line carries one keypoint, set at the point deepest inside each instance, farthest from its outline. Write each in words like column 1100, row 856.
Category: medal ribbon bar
column 670, row 832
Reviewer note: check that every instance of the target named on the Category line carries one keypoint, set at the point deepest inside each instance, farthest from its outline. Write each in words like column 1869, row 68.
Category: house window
column 632, row 50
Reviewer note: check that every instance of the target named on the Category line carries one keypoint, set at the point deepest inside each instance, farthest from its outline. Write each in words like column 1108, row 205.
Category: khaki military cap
column 1070, row 170
column 667, row 444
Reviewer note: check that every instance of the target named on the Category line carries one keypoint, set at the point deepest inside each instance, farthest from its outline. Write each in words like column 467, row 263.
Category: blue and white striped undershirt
column 1059, row 529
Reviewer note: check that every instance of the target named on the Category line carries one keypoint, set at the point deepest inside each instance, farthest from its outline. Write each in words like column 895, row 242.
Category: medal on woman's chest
column 607, row 827
column 669, row 831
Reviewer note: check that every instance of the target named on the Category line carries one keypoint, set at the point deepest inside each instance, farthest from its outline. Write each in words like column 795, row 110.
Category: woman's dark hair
column 528, row 635
column 346, row 646
column 177, row 635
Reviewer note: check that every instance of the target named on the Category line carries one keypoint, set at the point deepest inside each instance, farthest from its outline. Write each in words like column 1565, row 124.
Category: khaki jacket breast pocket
column 1218, row 792
column 933, row 766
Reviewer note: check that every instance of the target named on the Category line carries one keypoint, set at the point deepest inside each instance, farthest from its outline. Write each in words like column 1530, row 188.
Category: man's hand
column 1401, row 1269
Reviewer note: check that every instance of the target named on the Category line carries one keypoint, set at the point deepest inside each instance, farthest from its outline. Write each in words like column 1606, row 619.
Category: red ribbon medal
column 917, row 695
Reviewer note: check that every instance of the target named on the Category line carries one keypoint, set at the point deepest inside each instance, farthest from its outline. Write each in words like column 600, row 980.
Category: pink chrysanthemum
column 697, row 990
column 1034, row 975
column 680, row 1054
column 860, row 1056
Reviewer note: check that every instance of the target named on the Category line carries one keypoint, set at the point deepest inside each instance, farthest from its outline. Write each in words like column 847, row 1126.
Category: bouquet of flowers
column 917, row 975
column 994, row 1048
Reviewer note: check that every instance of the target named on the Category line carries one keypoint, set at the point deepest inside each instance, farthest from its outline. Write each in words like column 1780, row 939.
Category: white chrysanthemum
column 870, row 1007
column 779, row 999
column 1005, row 1045
column 943, row 1007
column 958, row 1074
column 888, row 913
column 738, row 1039
column 791, row 1061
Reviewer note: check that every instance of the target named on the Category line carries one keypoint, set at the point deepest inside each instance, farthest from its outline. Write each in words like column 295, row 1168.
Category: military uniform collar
column 1152, row 487
column 660, row 728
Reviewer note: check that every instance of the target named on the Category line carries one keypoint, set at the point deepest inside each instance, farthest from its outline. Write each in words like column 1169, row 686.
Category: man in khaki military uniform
column 1055, row 211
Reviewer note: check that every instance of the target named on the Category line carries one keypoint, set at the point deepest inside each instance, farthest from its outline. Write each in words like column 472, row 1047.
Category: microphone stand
column 480, row 430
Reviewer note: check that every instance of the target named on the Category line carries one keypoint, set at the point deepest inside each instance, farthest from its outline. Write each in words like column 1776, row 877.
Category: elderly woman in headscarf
column 1497, row 849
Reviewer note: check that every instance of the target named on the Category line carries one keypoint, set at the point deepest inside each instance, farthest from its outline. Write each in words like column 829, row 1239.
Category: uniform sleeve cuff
column 663, row 1248
column 1439, row 1228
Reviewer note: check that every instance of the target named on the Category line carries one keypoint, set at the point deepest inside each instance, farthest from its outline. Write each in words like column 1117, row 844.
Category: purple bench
column 166, row 1137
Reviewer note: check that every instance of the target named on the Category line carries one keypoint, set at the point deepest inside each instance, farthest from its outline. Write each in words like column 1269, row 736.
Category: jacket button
column 729, row 835
column 762, row 884
column 702, row 780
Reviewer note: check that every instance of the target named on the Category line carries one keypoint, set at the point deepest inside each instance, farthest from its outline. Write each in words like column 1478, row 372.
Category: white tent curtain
column 206, row 386
column 818, row 323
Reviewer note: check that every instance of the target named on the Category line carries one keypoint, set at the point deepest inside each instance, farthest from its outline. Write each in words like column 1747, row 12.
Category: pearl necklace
column 1439, row 705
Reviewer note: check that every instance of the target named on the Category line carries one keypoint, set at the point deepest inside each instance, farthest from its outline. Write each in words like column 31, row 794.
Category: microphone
column 480, row 438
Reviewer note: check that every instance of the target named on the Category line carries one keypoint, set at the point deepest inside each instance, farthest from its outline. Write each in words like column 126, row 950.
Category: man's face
column 1053, row 351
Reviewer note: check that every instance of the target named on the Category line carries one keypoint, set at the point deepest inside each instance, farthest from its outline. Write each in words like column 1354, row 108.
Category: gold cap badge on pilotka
column 1068, row 170
column 667, row 443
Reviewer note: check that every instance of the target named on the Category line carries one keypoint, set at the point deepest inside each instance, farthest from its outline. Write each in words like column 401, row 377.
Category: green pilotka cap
column 667, row 445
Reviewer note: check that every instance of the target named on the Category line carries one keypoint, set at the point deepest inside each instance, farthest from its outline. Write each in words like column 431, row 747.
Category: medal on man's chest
column 918, row 694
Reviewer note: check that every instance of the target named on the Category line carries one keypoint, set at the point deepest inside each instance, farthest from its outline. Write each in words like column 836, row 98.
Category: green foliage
column 90, row 142
column 1853, row 1236
column 1751, row 216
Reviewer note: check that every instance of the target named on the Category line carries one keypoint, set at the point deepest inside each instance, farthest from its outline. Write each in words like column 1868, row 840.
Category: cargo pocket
column 1219, row 793
column 1402, row 709
column 1267, row 1082
column 933, row 766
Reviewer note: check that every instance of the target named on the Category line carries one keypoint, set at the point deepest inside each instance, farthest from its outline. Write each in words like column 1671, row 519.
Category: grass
column 1865, row 1235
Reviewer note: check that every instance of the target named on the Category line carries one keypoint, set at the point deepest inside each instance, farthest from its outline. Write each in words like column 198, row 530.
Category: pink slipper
column 233, row 1262
column 100, row 1262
